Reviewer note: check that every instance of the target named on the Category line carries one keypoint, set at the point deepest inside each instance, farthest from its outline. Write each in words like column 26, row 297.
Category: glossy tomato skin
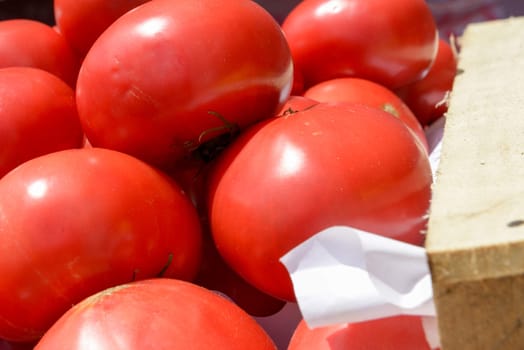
column 30, row 43
column 156, row 314
column 75, row 222
column 357, row 90
column 392, row 333
column 290, row 177
column 427, row 97
column 82, row 22
column 177, row 73
column 389, row 42
column 37, row 116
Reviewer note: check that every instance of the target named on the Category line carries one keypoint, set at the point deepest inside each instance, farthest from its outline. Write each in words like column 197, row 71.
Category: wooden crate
column 475, row 239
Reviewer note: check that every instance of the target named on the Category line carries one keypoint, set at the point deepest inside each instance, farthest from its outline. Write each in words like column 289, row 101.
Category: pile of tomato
column 157, row 158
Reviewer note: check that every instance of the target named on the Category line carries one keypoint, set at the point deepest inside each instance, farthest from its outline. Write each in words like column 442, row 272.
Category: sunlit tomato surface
column 391, row 42
column 31, row 43
column 427, row 97
column 37, row 116
column 82, row 22
column 156, row 314
column 78, row 221
column 170, row 75
column 290, row 177
column 357, row 90
column 392, row 333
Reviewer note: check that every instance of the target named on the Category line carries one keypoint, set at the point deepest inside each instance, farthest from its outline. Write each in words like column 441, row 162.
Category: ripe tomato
column 426, row 97
column 156, row 314
column 289, row 177
column 391, row 42
column 37, row 116
column 177, row 73
column 78, row 221
column 392, row 333
column 30, row 43
column 82, row 22
column 357, row 90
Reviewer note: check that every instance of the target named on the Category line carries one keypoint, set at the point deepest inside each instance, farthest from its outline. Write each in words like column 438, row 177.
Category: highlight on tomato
column 75, row 222
column 156, row 314
column 292, row 176
column 390, row 42
column 176, row 74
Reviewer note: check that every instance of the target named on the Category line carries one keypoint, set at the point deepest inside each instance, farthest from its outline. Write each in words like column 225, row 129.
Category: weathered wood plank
column 475, row 239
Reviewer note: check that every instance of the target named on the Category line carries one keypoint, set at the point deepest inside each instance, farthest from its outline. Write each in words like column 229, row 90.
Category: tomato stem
column 227, row 125
column 166, row 266
column 289, row 111
column 208, row 150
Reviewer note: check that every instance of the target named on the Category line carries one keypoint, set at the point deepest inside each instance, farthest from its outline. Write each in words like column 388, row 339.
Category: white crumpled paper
column 345, row 275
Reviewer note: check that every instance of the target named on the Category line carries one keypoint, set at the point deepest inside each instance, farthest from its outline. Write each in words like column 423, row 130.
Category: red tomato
column 30, row 43
column 82, row 22
column 392, row 333
column 156, row 314
column 216, row 275
column 357, row 90
column 391, row 42
column 290, row 177
column 426, row 97
column 178, row 73
column 37, row 116
column 78, row 221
